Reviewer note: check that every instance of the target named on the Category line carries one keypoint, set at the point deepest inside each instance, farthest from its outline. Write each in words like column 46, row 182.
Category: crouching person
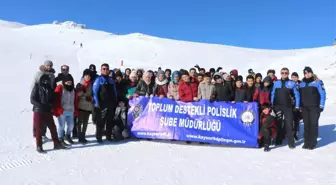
column 85, row 105
column 120, row 130
column 42, row 97
column 268, row 127
column 64, row 109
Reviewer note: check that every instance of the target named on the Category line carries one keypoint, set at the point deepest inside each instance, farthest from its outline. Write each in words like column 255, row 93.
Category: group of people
column 283, row 102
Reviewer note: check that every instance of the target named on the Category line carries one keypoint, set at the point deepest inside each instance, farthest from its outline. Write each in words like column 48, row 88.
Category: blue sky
column 270, row 24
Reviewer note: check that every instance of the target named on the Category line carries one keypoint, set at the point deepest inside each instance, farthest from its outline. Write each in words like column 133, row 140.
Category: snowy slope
column 24, row 48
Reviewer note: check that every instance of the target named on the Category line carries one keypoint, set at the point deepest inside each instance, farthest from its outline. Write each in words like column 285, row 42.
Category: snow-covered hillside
column 24, row 48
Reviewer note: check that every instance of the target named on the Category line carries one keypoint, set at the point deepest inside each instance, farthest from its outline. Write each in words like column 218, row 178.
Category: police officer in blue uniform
column 313, row 97
column 284, row 97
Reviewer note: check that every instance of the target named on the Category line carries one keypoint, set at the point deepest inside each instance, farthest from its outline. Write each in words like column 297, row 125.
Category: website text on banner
column 218, row 122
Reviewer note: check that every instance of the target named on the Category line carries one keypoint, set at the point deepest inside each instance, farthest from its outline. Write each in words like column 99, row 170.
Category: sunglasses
column 65, row 69
column 105, row 69
column 284, row 73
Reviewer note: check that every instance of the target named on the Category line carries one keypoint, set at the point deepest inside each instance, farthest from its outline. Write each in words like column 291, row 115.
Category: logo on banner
column 137, row 110
column 247, row 117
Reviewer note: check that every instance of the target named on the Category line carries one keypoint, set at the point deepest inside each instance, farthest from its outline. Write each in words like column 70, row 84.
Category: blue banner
column 218, row 122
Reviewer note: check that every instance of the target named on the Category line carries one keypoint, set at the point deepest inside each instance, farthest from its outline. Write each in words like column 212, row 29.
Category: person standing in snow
column 145, row 87
column 258, row 80
column 47, row 69
column 268, row 127
column 240, row 94
column 188, row 90
column 313, row 97
column 205, row 88
column 85, row 105
column 223, row 91
column 131, row 85
column 284, row 96
column 127, row 73
column 192, row 73
column 162, row 85
column 64, row 108
column 105, row 102
column 297, row 113
column 173, row 87
column 93, row 74
column 139, row 73
column 42, row 97
column 271, row 73
column 168, row 74
column 265, row 91
column 64, row 73
column 251, row 89
column 200, row 77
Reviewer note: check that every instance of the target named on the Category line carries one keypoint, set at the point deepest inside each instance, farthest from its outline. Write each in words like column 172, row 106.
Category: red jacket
column 268, row 119
column 58, row 109
column 188, row 91
column 162, row 90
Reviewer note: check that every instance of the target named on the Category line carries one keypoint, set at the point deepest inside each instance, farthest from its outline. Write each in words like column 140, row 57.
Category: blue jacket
column 97, row 87
column 283, row 94
column 312, row 93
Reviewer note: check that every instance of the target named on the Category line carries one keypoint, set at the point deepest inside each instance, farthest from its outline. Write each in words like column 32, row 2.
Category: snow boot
column 305, row 146
column 40, row 150
column 267, row 148
column 68, row 139
column 291, row 146
column 59, row 146
column 63, row 142
column 45, row 139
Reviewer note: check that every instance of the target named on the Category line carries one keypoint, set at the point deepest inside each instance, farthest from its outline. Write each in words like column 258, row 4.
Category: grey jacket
column 42, row 71
column 173, row 91
column 205, row 91
column 83, row 103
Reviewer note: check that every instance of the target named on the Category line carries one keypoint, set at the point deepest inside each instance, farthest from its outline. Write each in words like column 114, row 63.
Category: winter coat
column 42, row 98
column 267, row 122
column 285, row 94
column 223, row 92
column 131, row 88
column 240, row 95
column 205, row 91
column 173, row 90
column 162, row 88
column 42, row 71
column 105, row 93
column 143, row 89
column 252, row 94
column 312, row 93
column 122, row 90
column 85, row 96
column 265, row 95
column 188, row 91
column 64, row 101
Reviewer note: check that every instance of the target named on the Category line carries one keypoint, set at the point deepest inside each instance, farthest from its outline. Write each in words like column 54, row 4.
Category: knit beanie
column 48, row 63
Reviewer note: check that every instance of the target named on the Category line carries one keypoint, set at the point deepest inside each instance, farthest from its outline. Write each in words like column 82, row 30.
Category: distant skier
column 81, row 45
column 74, row 42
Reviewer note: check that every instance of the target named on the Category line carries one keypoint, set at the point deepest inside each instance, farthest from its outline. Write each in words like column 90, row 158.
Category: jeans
column 67, row 117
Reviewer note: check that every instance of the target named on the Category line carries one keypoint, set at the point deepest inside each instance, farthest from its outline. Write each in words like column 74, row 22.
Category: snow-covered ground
column 24, row 48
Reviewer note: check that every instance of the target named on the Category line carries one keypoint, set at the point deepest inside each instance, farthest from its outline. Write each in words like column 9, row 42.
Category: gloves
column 321, row 108
column 89, row 98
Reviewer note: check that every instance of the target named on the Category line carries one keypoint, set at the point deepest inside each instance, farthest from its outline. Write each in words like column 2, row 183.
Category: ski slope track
column 24, row 48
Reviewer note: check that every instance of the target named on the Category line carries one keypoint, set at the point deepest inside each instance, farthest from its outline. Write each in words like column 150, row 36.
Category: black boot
column 305, row 146
column 59, row 146
column 267, row 148
column 291, row 146
column 68, row 139
column 40, row 150
column 63, row 143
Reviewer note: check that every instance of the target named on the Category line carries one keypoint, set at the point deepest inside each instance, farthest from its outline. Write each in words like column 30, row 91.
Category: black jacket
column 61, row 76
column 223, row 92
column 143, row 89
column 42, row 98
column 240, row 95
column 122, row 90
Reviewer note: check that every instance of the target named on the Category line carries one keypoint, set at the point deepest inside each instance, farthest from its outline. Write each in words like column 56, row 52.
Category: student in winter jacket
column 93, row 73
column 188, row 90
column 127, row 73
column 42, row 97
column 168, row 74
column 105, row 102
column 240, row 91
column 297, row 113
column 205, row 88
column 313, row 98
column 258, row 80
column 46, row 68
column 85, row 105
column 121, row 85
column 268, row 127
column 161, row 84
column 251, row 89
column 223, row 91
column 284, row 97
column 64, row 108
column 145, row 86
column 271, row 73
column 265, row 91
column 173, row 87
column 131, row 85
